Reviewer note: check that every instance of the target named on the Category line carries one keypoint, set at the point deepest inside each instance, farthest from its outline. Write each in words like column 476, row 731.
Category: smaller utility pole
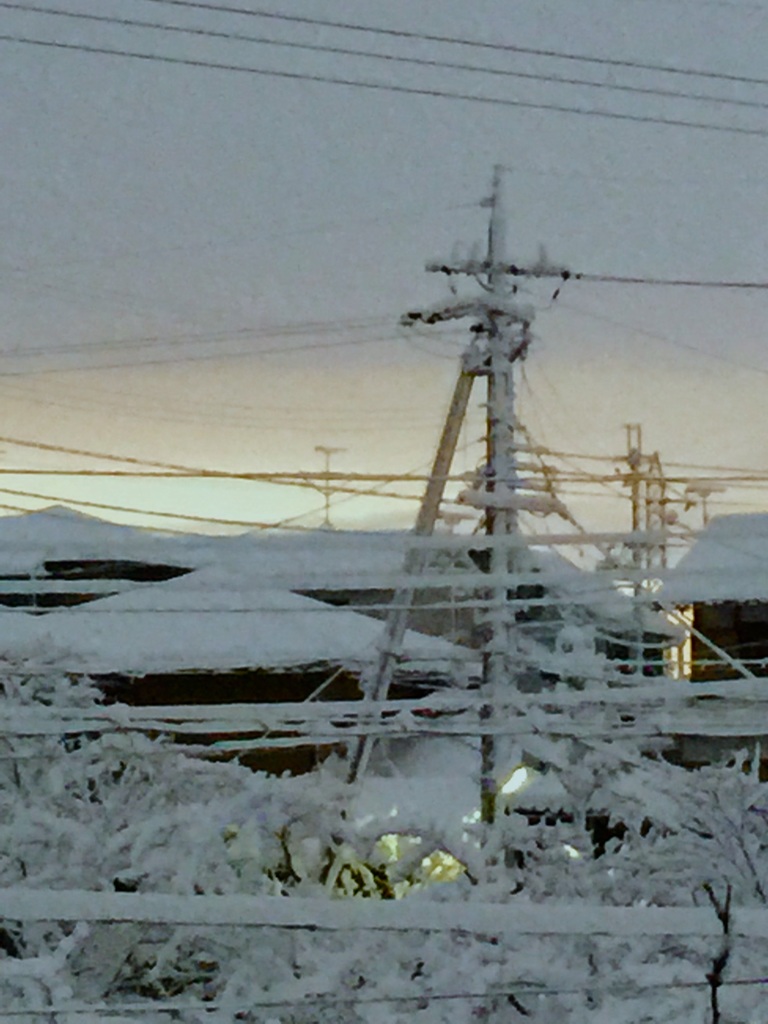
column 327, row 489
column 634, row 477
column 648, row 492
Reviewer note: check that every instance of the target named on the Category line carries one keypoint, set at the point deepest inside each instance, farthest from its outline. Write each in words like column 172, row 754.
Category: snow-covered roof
column 281, row 561
column 728, row 562
column 209, row 621
column 28, row 540
column 295, row 560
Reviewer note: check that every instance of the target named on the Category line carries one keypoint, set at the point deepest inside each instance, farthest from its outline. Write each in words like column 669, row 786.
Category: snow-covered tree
column 109, row 809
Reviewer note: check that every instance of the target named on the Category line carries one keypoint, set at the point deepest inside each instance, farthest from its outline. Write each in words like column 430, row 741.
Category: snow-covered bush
column 109, row 809
column 115, row 811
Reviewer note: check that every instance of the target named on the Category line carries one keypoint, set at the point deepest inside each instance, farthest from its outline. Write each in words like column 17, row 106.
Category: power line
column 300, row 478
column 759, row 473
column 454, row 40
column 747, row 479
column 643, row 332
column 417, row 213
column 544, row 271
column 510, row 993
column 560, row 108
column 107, row 457
column 183, row 472
column 261, row 419
column 671, row 282
column 385, row 57
column 724, row 5
column 289, row 329
column 187, row 517
column 213, row 356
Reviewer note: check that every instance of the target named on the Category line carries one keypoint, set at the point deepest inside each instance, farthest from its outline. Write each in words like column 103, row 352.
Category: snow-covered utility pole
column 500, row 337
column 506, row 328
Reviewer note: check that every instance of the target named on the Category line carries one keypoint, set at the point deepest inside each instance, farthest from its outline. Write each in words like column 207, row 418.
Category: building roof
column 728, row 562
column 238, row 607
column 292, row 559
column 209, row 620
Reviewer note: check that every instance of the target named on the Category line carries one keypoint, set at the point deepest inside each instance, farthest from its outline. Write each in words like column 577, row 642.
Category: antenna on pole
column 327, row 489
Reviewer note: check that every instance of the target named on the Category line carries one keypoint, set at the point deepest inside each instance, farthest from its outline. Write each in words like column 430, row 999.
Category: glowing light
column 393, row 846
column 517, row 781
column 441, row 866
column 572, row 852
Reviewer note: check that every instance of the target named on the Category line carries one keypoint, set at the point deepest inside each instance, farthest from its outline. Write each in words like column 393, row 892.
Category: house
column 553, row 604
column 720, row 589
column 58, row 557
column 160, row 620
column 721, row 586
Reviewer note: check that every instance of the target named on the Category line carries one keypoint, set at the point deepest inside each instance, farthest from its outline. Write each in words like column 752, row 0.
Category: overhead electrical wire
column 758, row 473
column 643, row 332
column 187, row 517
column 182, row 472
column 257, row 234
column 248, row 409
column 106, row 456
column 319, row 1002
column 268, row 331
column 604, row 278
column 565, row 274
column 357, row 83
column 281, row 479
column 15, row 508
column 722, row 5
column 670, row 282
column 670, row 69
column 177, row 471
column 333, row 504
column 317, row 480
column 260, row 419
column 235, row 415
column 210, row 357
column 384, row 57
column 417, row 212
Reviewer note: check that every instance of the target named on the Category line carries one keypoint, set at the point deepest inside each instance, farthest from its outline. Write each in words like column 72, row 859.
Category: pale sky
column 205, row 223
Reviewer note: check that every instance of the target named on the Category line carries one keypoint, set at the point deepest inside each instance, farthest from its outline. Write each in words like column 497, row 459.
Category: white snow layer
column 210, row 619
column 290, row 559
column 517, row 918
column 729, row 562
column 236, row 609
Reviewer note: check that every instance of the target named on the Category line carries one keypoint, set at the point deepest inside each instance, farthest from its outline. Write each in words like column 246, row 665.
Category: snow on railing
column 317, row 915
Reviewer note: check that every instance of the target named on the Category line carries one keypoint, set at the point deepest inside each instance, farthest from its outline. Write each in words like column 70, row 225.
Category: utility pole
column 657, row 517
column 648, row 494
column 327, row 490
column 634, row 477
column 508, row 338
column 634, row 480
column 500, row 337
